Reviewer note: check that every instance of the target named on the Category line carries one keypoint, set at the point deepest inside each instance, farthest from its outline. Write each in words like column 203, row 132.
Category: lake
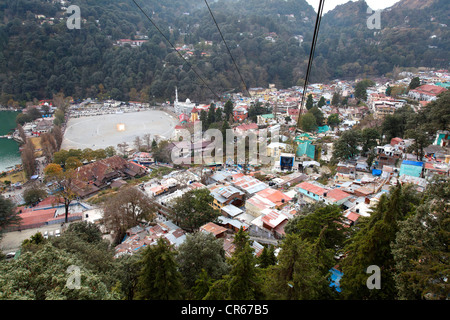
column 9, row 149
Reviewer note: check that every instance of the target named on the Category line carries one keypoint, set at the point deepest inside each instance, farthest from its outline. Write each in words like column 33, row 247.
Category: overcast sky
column 373, row 4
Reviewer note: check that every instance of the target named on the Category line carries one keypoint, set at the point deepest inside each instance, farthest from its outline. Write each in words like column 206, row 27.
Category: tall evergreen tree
column 243, row 282
column 420, row 249
column 159, row 278
column 211, row 114
column 228, row 110
column 321, row 102
column 296, row 276
column 415, row 82
column 309, row 102
column 371, row 245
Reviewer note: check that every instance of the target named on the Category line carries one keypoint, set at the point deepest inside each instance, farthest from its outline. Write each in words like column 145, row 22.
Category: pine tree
column 309, row 102
column 228, row 110
column 371, row 245
column 204, row 119
column 321, row 102
column 242, row 283
column 296, row 276
column 159, row 278
column 243, row 277
column 420, row 249
column 267, row 257
column 336, row 100
column 211, row 114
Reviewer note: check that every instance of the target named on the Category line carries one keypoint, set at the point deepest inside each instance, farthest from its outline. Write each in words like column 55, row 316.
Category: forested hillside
column 270, row 41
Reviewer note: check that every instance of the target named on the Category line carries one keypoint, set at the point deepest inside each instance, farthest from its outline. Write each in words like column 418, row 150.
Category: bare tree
column 66, row 187
column 58, row 135
column 60, row 102
column 127, row 209
column 48, row 145
column 28, row 158
column 138, row 143
column 22, row 134
column 123, row 148
column 148, row 141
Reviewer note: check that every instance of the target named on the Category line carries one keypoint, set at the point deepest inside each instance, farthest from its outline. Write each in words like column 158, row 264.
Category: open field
column 15, row 177
column 98, row 132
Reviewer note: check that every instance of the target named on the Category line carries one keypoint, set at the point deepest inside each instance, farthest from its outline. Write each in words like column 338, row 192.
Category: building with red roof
column 337, row 196
column 214, row 229
column 275, row 221
column 311, row 190
column 427, row 92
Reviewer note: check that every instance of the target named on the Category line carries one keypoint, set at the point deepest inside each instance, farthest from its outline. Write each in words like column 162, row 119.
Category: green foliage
column 318, row 115
column 193, row 209
column 346, row 147
column 40, row 65
column 258, row 109
column 361, row 89
column 201, row 252
column 159, row 278
column 415, row 82
column 422, row 266
column 43, row 276
column 211, row 114
column 333, row 120
column 369, row 137
column 309, row 102
column 33, row 244
column 388, row 90
column 336, row 100
column 161, row 153
column 34, row 195
column 308, row 122
column 321, row 102
column 228, row 110
column 127, row 269
column 85, row 231
column 8, row 215
column 296, row 276
column 243, row 281
column 371, row 245
column 267, row 257
column 309, row 226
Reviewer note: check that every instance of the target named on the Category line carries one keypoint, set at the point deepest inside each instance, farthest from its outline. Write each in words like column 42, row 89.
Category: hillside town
column 259, row 199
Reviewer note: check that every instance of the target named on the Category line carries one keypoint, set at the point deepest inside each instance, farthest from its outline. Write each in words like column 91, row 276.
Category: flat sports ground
column 99, row 132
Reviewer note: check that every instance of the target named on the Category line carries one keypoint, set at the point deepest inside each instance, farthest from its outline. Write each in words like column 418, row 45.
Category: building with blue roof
column 323, row 129
column 306, row 149
column 411, row 168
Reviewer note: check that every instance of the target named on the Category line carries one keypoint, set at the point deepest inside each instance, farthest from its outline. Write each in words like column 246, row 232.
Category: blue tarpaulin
column 376, row 172
column 335, row 279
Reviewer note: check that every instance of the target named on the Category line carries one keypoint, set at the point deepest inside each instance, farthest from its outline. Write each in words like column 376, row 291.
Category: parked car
column 10, row 255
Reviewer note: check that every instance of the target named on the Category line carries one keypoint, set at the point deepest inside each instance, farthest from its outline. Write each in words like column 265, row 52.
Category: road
column 265, row 240
column 11, row 241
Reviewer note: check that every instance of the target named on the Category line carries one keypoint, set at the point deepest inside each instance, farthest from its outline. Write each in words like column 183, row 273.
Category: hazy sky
column 373, row 4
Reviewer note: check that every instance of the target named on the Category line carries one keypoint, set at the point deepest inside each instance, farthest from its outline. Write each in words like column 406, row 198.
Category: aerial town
column 259, row 199
column 131, row 173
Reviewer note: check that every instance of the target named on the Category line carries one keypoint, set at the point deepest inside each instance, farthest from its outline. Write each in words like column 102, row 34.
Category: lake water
column 9, row 149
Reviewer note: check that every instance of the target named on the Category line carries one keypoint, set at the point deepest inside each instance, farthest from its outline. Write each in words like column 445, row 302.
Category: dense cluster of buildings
column 262, row 199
